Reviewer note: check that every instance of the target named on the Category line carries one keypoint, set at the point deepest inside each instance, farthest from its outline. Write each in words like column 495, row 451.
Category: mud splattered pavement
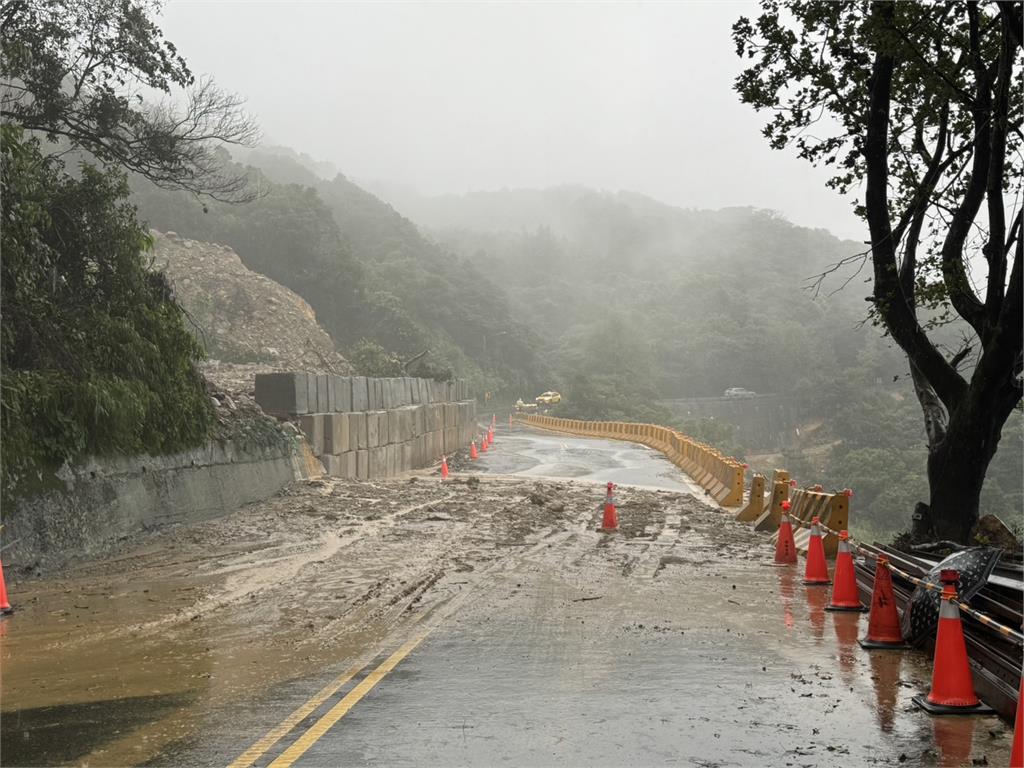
column 536, row 640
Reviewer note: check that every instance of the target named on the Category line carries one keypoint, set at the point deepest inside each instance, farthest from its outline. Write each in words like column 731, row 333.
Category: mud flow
column 189, row 644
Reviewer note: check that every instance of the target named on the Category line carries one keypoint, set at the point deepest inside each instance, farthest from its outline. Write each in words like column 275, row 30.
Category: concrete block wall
column 368, row 428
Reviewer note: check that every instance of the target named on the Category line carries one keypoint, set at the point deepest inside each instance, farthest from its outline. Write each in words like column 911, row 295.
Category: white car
column 739, row 392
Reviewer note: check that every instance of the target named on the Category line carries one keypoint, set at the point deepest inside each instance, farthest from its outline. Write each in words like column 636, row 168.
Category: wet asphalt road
column 681, row 646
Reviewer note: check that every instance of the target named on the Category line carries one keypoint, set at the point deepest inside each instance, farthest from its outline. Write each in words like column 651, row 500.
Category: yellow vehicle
column 548, row 398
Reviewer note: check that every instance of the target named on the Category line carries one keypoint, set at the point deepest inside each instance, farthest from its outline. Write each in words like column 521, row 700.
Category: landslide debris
column 241, row 316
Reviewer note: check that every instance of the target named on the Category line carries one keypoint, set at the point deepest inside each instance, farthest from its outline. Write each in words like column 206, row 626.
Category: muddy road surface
column 480, row 621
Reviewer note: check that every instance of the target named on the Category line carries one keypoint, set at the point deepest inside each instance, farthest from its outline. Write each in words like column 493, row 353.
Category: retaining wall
column 367, row 428
column 103, row 501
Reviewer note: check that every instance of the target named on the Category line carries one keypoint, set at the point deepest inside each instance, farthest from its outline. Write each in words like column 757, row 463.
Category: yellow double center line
column 325, row 723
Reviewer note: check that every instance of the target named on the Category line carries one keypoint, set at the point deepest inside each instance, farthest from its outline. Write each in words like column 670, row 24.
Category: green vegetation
column 637, row 301
column 921, row 106
column 96, row 358
column 367, row 272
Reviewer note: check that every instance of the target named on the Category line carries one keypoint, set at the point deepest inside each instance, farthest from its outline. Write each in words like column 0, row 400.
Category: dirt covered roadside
column 117, row 658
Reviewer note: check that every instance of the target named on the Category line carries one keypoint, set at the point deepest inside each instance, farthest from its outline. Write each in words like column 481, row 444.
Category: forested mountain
column 617, row 300
column 365, row 270
column 720, row 298
column 636, row 300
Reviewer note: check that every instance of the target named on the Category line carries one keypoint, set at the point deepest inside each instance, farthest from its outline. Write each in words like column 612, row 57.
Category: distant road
column 763, row 422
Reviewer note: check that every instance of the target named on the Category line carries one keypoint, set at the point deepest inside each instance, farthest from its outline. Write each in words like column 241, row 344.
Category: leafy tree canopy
column 75, row 70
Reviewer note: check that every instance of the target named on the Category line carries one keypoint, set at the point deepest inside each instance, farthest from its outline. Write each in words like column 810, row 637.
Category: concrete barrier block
column 360, row 394
column 378, row 462
column 323, row 395
column 405, row 454
column 394, row 428
column 332, row 393
column 358, row 426
column 363, row 465
column 373, row 429
column 353, row 431
column 343, row 465
column 387, row 400
column 312, row 425
column 332, row 465
column 311, row 396
column 384, row 428
column 282, row 394
column 391, row 453
column 343, row 394
column 336, row 436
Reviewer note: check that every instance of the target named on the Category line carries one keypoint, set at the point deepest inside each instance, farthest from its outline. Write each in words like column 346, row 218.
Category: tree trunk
column 957, row 465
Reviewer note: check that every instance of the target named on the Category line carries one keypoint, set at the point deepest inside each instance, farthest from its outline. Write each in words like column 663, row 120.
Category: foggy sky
column 459, row 97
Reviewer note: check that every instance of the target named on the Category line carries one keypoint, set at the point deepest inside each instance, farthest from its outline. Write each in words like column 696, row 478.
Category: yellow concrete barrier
column 755, row 503
column 769, row 519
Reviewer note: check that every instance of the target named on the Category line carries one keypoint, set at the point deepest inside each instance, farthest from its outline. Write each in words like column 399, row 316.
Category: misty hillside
column 366, row 271
column 527, row 290
column 723, row 297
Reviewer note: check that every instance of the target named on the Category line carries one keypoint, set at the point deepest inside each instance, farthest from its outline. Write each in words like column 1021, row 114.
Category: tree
column 94, row 351
column 74, row 71
column 917, row 101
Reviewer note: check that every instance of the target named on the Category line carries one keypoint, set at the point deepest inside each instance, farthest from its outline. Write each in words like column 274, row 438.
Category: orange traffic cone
column 494, row 419
column 5, row 605
column 510, row 421
column 444, row 467
column 472, row 450
column 611, row 516
column 884, row 621
column 490, row 436
column 816, row 572
column 844, row 588
column 483, row 444
column 1017, row 753
column 952, row 690
column 785, row 548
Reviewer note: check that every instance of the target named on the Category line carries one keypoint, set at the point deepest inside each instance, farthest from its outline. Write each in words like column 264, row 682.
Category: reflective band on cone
column 952, row 691
column 816, row 572
column 884, row 621
column 844, row 588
